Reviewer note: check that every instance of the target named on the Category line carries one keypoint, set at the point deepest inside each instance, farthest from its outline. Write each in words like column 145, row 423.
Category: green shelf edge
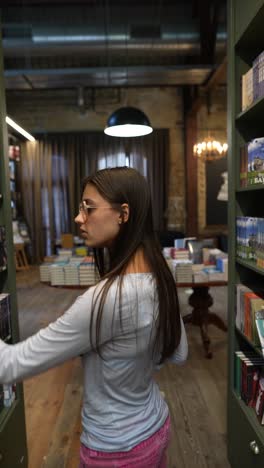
column 251, row 416
column 5, row 413
column 250, row 265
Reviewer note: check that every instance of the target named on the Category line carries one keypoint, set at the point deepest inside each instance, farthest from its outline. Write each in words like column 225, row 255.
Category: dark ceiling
column 111, row 43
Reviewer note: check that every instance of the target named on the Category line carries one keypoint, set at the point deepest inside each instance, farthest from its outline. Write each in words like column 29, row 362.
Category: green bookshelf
column 245, row 43
column 13, row 446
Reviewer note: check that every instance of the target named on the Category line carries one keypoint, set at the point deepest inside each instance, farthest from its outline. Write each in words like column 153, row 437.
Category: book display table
column 201, row 300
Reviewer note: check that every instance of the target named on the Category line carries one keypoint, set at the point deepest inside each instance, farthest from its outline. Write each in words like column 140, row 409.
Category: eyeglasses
column 85, row 209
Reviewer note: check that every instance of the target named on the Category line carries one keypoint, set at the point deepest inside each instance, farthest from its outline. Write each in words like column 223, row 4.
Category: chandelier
column 210, row 149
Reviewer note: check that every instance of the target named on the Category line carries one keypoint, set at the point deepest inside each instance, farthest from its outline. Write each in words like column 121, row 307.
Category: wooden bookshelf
column 13, row 446
column 245, row 43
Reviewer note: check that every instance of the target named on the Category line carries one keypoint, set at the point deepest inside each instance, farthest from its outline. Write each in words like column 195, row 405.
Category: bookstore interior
column 66, row 93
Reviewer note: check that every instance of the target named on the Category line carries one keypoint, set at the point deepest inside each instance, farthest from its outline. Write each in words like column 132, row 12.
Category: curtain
column 53, row 167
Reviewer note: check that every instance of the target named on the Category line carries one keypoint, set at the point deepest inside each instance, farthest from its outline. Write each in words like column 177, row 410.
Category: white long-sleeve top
column 122, row 404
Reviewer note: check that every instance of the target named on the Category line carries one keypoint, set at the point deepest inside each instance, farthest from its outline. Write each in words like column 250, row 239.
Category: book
column 5, row 317
column 3, row 249
column 247, row 89
column 255, row 150
column 255, row 304
column 246, row 375
column 249, row 380
column 259, row 406
column 259, row 320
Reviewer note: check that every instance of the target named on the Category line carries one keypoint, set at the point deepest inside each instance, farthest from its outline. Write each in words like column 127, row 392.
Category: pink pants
column 151, row 453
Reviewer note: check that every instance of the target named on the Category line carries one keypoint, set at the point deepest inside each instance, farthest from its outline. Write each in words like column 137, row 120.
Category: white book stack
column 216, row 276
column 183, row 271
column 64, row 253
column 44, row 272
column 199, row 275
column 57, row 275
column 71, row 271
column 87, row 272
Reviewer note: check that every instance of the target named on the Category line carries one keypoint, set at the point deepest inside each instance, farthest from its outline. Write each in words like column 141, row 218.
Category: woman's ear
column 124, row 216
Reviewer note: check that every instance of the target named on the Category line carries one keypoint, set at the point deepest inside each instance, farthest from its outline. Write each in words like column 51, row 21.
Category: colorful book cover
column 259, row 407
column 255, row 305
column 3, row 250
column 255, row 174
column 247, row 313
column 259, row 318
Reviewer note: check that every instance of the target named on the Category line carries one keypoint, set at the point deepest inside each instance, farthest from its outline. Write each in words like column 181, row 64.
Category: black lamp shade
column 128, row 122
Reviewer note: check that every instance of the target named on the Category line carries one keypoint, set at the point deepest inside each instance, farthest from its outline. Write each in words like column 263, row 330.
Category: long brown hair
column 120, row 185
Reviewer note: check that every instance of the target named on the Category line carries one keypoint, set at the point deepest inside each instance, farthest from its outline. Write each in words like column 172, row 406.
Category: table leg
column 201, row 300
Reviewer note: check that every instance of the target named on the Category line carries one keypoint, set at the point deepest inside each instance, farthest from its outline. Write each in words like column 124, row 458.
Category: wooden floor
column 196, row 392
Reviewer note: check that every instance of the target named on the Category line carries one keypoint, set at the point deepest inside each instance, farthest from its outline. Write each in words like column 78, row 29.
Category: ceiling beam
column 217, row 77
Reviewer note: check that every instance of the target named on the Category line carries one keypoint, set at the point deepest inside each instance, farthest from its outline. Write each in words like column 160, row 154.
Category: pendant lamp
column 128, row 122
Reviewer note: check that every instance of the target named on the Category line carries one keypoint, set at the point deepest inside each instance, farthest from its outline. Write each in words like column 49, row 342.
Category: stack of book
column 87, row 272
column 71, row 271
column 64, row 253
column 179, row 254
column 183, row 271
column 44, row 272
column 247, row 229
column 252, row 163
column 253, row 82
column 249, row 381
column 250, row 314
column 258, row 77
column 199, row 275
column 57, row 274
column 5, row 317
column 3, row 251
column 250, row 239
column 214, row 274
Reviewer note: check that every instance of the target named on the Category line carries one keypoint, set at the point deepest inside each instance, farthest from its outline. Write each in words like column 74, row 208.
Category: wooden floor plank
column 64, row 429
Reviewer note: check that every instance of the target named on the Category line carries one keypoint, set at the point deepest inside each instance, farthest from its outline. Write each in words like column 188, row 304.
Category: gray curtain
column 54, row 166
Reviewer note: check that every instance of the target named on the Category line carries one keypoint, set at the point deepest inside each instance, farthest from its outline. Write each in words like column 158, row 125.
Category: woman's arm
column 67, row 337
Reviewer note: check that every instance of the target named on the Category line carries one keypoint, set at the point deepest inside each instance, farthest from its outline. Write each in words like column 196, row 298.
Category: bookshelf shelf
column 245, row 43
column 253, row 347
column 251, row 416
column 251, row 265
column 253, row 188
column 247, row 430
column 248, row 45
column 250, row 121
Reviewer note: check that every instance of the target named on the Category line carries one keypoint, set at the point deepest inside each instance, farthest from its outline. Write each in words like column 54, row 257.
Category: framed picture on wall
column 216, row 192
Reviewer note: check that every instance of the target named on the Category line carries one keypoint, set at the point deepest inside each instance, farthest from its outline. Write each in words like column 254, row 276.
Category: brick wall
column 53, row 111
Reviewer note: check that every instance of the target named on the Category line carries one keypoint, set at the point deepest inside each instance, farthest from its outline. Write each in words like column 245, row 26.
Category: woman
column 124, row 326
